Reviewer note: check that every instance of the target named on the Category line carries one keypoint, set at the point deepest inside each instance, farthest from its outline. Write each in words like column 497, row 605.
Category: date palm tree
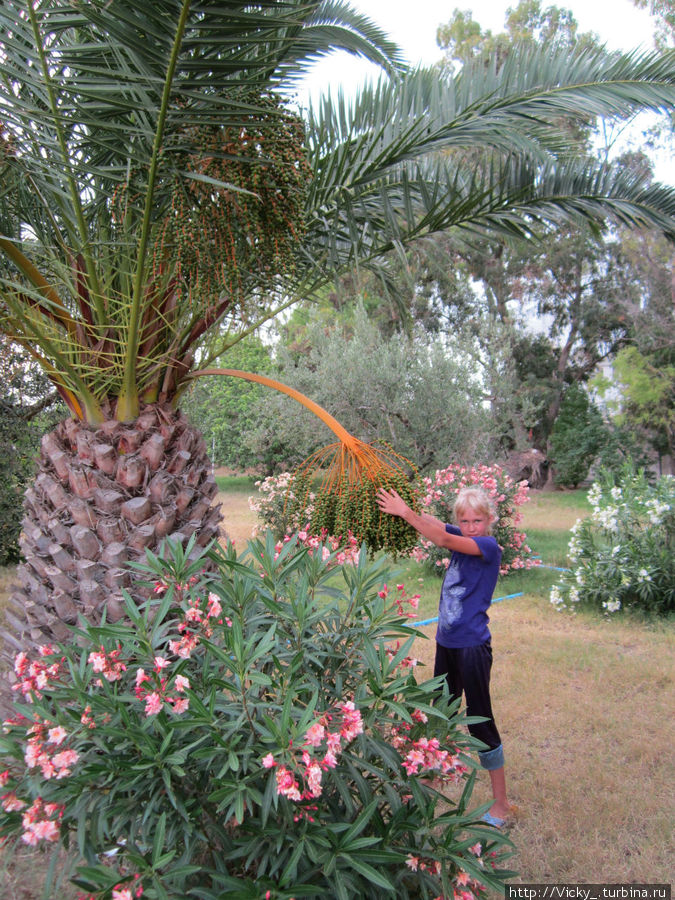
column 161, row 196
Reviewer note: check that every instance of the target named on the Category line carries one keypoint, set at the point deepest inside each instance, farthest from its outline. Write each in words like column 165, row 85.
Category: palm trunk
column 101, row 497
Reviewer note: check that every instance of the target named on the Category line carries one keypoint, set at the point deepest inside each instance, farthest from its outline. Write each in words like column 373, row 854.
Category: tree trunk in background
column 101, row 497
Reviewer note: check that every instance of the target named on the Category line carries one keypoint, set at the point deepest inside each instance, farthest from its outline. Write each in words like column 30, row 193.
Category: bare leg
column 500, row 808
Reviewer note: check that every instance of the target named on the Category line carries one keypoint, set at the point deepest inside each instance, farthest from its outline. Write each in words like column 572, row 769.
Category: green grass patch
column 237, row 484
column 554, row 509
column 549, row 546
column 536, row 581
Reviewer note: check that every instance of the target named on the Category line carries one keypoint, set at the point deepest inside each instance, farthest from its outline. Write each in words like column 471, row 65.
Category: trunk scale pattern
column 101, row 497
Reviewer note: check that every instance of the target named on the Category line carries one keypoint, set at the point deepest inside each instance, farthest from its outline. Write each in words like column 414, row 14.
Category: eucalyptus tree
column 161, row 194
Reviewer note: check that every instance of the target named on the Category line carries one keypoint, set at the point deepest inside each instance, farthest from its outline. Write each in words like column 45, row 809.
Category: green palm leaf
column 155, row 185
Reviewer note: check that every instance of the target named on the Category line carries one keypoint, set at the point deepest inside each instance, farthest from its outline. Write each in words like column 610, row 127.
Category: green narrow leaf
column 158, row 842
column 368, row 872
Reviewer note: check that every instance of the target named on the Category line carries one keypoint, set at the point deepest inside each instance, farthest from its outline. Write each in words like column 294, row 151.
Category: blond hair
column 477, row 499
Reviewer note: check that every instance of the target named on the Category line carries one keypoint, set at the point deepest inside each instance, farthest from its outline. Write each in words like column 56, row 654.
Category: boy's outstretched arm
column 429, row 527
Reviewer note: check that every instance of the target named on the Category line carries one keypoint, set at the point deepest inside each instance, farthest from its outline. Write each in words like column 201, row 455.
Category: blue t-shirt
column 467, row 593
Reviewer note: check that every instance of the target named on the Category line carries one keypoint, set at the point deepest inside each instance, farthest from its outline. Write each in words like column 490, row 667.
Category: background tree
column 577, row 438
column 527, row 23
column 637, row 390
column 664, row 16
column 27, row 410
column 407, row 391
column 225, row 409
column 192, row 200
column 647, row 401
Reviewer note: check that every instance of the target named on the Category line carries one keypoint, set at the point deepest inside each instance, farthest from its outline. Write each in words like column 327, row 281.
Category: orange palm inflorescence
column 334, row 489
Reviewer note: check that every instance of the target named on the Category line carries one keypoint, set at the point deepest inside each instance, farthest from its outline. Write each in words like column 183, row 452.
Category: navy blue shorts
column 467, row 671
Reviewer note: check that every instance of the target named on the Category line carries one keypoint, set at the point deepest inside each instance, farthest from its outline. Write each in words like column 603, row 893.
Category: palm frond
column 156, row 183
column 515, row 108
column 512, row 197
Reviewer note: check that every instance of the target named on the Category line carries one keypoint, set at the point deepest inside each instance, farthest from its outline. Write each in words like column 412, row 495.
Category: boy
column 463, row 644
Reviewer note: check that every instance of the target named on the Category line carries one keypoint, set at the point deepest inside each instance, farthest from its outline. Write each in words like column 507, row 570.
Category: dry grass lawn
column 585, row 708
column 238, row 520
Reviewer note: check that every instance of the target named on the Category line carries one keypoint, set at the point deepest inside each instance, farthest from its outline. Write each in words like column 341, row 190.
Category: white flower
column 643, row 575
column 556, row 597
column 573, row 550
column 657, row 511
column 594, row 494
column 612, row 605
column 574, row 595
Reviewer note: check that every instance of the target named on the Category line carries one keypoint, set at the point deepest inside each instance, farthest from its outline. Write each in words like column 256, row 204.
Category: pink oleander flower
column 313, row 776
column 87, row 719
column 315, row 734
column 352, row 723
column 268, row 761
column 215, row 608
column 287, row 785
column 64, row 760
column 36, row 827
column 97, row 660
column 184, row 646
column 109, row 665
column 334, row 741
column 29, row 837
column 20, row 663
column 182, row 683
column 412, row 862
column 45, row 830
column 49, row 770
column 11, row 803
column 56, row 735
column 32, row 754
column 153, row 704
column 181, row 705
column 330, row 760
column 414, row 759
column 193, row 614
column 124, row 894
column 161, row 663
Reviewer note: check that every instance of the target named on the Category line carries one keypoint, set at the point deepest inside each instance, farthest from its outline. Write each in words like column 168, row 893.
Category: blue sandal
column 495, row 821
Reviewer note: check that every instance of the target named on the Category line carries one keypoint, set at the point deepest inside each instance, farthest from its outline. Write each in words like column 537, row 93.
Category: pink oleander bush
column 342, row 513
column 274, row 505
column 255, row 730
column 506, row 494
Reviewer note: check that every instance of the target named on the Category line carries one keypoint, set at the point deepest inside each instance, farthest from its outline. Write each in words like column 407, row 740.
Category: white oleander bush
column 623, row 555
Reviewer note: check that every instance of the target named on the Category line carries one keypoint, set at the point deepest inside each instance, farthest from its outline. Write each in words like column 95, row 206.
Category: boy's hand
column 391, row 502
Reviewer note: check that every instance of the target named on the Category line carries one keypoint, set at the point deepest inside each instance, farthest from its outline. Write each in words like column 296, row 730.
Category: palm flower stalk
column 336, row 486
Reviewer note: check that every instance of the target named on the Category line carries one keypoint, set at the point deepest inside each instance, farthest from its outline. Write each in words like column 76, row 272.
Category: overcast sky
column 412, row 25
